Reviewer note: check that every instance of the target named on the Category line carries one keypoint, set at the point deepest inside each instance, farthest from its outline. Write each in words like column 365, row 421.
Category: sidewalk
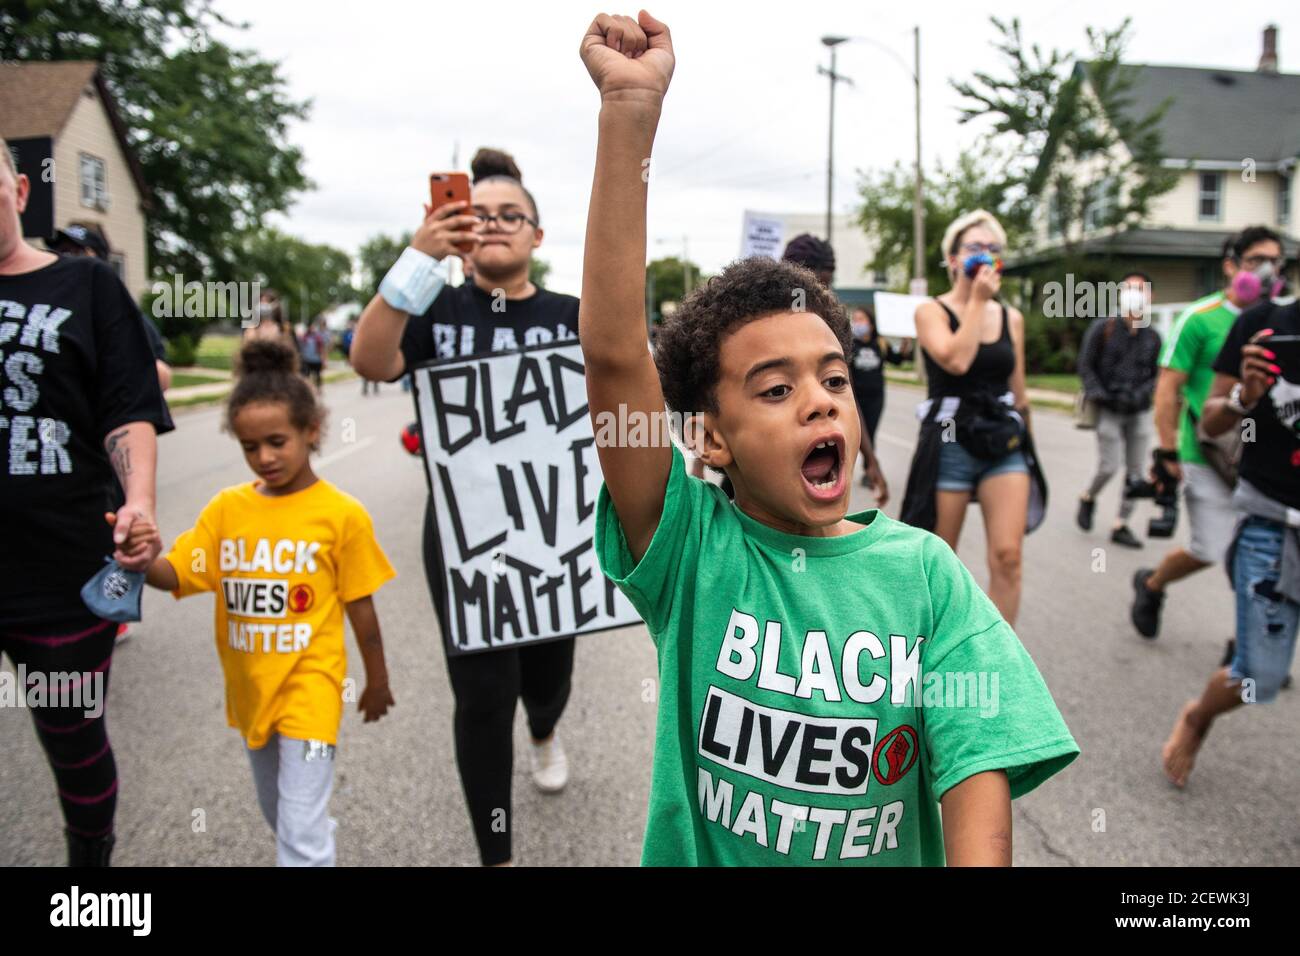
column 1037, row 396
column 215, row 391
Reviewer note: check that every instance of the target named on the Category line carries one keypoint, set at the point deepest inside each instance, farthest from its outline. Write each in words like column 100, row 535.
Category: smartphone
column 1287, row 350
column 447, row 188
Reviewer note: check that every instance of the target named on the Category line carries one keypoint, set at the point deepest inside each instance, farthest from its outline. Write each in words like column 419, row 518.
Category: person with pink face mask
column 1252, row 264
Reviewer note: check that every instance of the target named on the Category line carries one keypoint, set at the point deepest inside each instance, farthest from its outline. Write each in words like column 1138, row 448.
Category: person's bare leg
column 1176, row 565
column 1221, row 695
column 950, row 514
column 1004, row 499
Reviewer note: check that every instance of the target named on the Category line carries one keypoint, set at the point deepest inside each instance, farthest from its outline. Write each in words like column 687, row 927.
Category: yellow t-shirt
column 282, row 568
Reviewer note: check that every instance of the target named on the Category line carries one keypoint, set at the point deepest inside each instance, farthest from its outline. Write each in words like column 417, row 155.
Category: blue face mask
column 860, row 330
column 114, row 593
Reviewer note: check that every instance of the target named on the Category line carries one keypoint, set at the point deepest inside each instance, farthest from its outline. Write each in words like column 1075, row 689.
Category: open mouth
column 823, row 468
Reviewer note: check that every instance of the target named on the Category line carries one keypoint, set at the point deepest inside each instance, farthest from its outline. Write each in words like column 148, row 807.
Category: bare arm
column 1257, row 375
column 377, row 342
column 376, row 346
column 164, row 374
column 977, row 821
column 1168, row 401
column 133, row 452
column 376, row 698
column 955, row 351
column 1019, row 392
column 162, row 575
column 631, row 63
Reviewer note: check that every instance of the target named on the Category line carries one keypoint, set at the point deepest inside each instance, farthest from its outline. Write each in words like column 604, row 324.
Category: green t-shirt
column 818, row 695
column 1193, row 345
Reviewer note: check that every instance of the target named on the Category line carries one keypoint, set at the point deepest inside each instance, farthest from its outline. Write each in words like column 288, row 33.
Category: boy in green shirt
column 829, row 685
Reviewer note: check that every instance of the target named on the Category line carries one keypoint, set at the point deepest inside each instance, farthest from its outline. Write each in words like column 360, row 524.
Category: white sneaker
column 550, row 765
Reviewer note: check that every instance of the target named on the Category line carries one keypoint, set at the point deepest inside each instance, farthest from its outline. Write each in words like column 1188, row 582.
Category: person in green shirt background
column 1186, row 372
column 834, row 689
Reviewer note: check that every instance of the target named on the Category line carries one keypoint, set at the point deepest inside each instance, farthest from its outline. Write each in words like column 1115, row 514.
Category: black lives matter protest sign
column 511, row 462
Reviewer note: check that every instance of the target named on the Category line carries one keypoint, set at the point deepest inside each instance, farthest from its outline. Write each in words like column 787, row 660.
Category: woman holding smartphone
column 417, row 317
column 975, row 441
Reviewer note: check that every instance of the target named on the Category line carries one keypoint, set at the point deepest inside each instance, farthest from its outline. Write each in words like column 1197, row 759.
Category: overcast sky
column 397, row 86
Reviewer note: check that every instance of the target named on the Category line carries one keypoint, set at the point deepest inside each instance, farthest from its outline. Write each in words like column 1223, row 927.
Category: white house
column 1234, row 138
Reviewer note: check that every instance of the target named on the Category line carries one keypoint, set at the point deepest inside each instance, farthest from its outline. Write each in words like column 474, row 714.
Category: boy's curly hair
column 689, row 341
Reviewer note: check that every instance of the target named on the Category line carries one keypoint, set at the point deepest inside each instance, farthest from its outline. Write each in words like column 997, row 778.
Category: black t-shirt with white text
column 75, row 363
column 1271, row 461
column 465, row 320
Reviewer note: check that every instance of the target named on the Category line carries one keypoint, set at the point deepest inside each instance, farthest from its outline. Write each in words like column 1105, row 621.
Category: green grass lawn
column 181, row 379
column 1057, row 381
column 217, row 351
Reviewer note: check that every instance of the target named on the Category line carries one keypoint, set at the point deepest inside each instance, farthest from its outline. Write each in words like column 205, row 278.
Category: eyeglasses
column 507, row 222
column 975, row 248
column 1254, row 262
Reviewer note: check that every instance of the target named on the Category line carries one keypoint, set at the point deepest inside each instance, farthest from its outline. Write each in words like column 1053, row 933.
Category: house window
column 1054, row 214
column 1099, row 204
column 1209, row 201
column 1283, row 199
column 94, row 182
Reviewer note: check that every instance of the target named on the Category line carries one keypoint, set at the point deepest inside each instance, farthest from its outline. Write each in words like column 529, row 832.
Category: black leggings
column 871, row 404
column 487, row 685
column 76, row 745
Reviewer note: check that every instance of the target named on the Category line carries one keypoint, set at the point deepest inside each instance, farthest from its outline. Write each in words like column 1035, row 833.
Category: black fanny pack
column 987, row 428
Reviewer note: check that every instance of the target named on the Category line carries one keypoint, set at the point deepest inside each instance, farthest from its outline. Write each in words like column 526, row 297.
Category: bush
column 181, row 333
column 182, row 350
column 1052, row 345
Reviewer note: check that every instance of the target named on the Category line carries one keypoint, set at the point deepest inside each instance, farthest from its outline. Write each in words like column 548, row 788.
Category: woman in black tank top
column 974, row 435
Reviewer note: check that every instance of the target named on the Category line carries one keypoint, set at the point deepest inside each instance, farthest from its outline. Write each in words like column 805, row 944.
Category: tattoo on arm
column 119, row 454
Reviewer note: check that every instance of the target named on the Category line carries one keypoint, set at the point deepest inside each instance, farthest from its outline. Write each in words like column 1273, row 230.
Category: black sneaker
column 1122, row 535
column 1145, row 612
column 1084, row 517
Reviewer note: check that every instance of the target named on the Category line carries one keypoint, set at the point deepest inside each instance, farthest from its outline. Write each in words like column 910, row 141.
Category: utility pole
column 918, row 201
column 686, row 267
column 832, row 42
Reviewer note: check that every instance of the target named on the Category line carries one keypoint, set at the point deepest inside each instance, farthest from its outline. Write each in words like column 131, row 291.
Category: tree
column 1076, row 150
column 207, row 122
column 309, row 278
column 1074, row 144
column 666, row 282
column 538, row 270
column 973, row 182
column 375, row 258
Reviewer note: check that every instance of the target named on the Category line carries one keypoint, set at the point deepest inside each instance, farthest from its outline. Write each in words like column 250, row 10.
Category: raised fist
column 628, row 57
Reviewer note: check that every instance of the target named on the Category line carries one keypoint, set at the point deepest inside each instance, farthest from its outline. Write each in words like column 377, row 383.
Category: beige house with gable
column 1233, row 136
column 95, row 178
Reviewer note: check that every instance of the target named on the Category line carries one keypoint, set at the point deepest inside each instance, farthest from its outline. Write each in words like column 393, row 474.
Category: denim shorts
column 1266, row 622
column 959, row 470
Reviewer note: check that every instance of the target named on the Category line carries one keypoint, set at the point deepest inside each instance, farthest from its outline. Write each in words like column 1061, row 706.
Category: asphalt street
column 186, row 795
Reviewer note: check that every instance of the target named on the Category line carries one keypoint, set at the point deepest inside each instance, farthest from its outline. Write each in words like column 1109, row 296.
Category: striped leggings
column 76, row 745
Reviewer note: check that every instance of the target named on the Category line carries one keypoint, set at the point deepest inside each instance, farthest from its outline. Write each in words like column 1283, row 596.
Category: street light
column 831, row 42
column 918, row 207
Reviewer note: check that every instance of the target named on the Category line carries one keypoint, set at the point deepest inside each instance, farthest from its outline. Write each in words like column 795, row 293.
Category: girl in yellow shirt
column 286, row 555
